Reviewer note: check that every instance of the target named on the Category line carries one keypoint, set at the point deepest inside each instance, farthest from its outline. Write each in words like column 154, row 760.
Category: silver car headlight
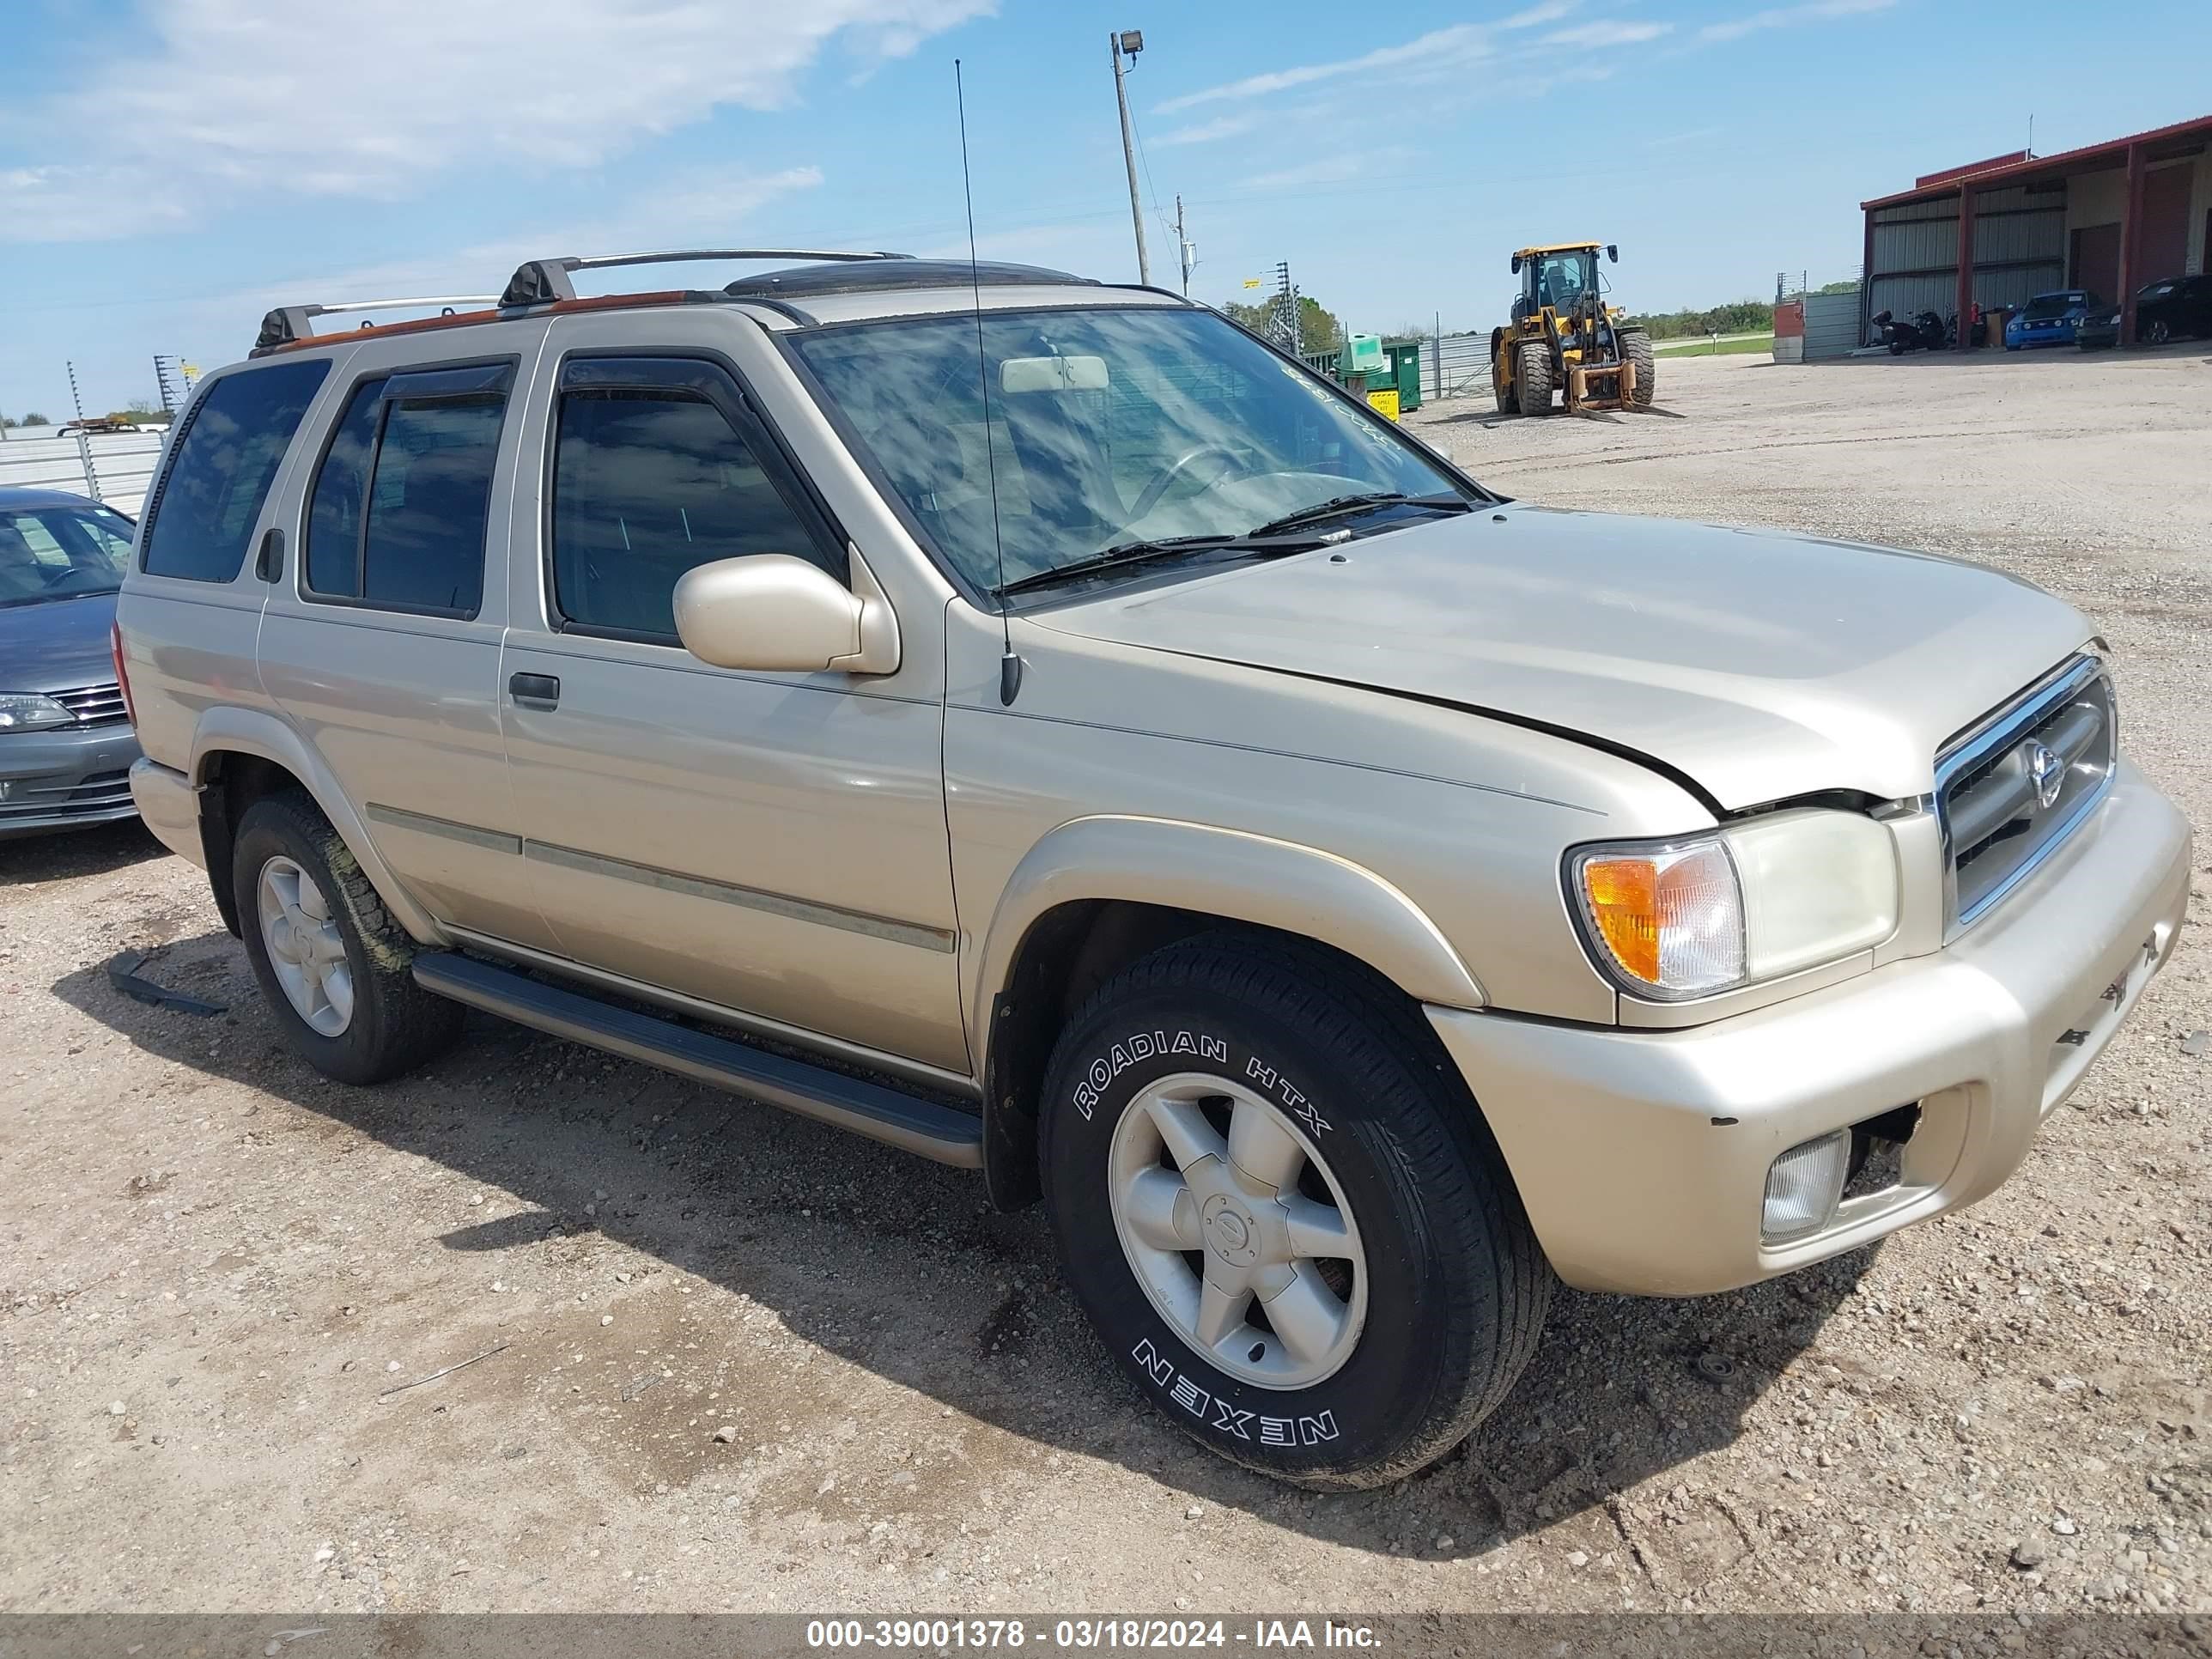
column 24, row 711
column 1674, row 919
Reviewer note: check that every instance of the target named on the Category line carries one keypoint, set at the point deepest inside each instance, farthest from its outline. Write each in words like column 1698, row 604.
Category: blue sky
column 170, row 169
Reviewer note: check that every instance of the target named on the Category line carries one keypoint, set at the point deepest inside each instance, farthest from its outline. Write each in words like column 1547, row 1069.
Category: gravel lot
column 737, row 1362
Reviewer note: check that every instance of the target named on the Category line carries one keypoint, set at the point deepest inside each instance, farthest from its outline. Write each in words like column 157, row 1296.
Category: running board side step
column 914, row 1124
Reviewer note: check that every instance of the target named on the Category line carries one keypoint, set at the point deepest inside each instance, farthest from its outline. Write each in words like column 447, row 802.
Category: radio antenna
column 1010, row 666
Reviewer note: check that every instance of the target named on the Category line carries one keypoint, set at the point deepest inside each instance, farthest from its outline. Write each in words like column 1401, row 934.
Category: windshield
column 61, row 552
column 2046, row 306
column 1562, row 278
column 1107, row 428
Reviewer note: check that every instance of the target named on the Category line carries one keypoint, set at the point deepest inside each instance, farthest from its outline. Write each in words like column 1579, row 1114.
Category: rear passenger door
column 773, row 844
column 382, row 643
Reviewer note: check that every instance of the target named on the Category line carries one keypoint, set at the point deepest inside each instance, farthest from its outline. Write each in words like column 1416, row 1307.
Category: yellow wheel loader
column 1564, row 338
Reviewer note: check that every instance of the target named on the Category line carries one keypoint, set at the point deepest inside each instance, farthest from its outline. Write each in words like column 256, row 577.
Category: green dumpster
column 1405, row 371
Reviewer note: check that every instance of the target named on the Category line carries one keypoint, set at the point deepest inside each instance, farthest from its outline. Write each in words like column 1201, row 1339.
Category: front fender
column 229, row 730
column 1228, row 873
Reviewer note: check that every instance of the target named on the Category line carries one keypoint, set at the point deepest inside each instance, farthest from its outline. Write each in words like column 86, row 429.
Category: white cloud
column 233, row 98
column 1609, row 33
column 1206, row 132
column 1775, row 17
column 1439, row 52
column 1462, row 43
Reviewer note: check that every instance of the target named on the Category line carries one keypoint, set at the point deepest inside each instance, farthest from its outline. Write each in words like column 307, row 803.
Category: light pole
column 1131, row 41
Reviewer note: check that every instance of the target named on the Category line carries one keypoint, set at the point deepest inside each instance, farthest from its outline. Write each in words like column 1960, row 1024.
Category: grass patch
column 1759, row 343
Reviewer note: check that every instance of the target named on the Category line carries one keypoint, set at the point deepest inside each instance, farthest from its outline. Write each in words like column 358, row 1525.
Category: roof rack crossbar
column 287, row 324
column 541, row 281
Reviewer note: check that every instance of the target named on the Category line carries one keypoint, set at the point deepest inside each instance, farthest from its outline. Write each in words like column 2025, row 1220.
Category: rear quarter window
column 203, row 510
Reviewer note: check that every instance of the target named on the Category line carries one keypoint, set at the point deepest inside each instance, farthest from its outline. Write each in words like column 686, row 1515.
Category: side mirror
column 1516, row 264
column 1613, row 252
column 772, row 611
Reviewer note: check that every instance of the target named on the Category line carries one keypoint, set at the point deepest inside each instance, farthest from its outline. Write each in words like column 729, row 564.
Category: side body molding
column 1224, row 873
column 254, row 731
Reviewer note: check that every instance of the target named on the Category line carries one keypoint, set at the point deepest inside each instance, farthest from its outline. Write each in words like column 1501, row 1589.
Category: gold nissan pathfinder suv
column 1039, row 724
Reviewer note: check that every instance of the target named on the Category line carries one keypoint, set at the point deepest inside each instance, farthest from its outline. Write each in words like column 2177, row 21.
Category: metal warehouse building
column 2109, row 217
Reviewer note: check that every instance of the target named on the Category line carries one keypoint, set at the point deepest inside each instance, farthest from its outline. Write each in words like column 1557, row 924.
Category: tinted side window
column 333, row 556
column 203, row 514
column 646, row 484
column 402, row 500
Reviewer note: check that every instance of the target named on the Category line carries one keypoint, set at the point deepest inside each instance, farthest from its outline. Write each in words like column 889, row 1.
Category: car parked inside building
column 1039, row 724
column 66, row 746
column 2048, row 320
column 2175, row 308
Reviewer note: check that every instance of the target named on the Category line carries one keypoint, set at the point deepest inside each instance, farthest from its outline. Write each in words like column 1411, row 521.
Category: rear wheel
column 1287, row 1222
column 1535, row 377
column 1636, row 348
column 1501, row 377
column 336, row 970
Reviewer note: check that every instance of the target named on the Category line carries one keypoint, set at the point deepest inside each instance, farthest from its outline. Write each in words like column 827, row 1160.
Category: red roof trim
column 2066, row 161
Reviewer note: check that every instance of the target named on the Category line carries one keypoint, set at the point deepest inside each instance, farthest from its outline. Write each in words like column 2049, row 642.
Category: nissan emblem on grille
column 2048, row 773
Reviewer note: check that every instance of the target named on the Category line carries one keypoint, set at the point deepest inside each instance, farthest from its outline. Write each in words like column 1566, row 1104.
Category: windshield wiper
column 1123, row 554
column 1338, row 506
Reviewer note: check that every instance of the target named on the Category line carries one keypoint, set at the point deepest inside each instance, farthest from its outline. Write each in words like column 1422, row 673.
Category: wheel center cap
column 1229, row 1232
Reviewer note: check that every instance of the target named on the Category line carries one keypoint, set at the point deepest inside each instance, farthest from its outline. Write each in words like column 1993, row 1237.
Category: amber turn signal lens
column 1670, row 917
column 1624, row 903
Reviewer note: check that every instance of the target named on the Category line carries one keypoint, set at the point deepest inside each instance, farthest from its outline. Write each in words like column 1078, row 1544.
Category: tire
column 1501, row 384
column 1535, row 378
column 1896, row 347
column 1636, row 347
column 2158, row 333
column 1413, row 1347
column 312, row 920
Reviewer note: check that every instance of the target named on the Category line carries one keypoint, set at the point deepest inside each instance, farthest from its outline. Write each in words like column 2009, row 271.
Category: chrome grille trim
column 94, row 705
column 1996, row 832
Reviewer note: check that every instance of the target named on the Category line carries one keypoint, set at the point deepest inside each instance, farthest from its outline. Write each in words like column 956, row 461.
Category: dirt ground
column 735, row 1361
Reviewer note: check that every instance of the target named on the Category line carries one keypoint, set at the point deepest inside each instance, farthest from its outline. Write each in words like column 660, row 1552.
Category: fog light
column 1803, row 1186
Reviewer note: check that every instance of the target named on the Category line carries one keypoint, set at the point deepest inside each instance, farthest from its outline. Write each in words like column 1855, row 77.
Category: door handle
column 535, row 690
column 268, row 563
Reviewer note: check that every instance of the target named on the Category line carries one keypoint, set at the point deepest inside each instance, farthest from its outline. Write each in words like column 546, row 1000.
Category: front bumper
column 1642, row 1156
column 62, row 779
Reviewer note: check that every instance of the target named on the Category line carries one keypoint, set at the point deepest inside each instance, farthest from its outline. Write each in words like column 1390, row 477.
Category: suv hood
column 1760, row 665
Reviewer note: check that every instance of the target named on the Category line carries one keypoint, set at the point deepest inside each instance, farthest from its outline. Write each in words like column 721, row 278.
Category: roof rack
column 290, row 325
column 543, row 282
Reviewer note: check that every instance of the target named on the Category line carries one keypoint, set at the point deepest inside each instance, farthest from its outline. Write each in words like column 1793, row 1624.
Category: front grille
column 2011, row 789
column 94, row 705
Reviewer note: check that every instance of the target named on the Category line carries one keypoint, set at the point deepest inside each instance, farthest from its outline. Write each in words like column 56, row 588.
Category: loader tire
column 1636, row 350
column 1501, row 378
column 1535, row 379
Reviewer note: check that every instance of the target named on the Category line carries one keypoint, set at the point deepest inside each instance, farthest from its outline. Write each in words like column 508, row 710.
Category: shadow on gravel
column 897, row 1265
column 28, row 860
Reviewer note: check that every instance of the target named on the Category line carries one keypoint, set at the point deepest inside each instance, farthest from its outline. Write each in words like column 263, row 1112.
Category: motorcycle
column 1925, row 332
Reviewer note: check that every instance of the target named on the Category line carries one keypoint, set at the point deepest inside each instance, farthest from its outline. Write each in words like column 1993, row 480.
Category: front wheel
column 1635, row 351
column 1284, row 1216
column 1535, row 379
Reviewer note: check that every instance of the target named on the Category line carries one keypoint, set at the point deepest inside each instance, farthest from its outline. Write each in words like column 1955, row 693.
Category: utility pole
column 1188, row 246
column 1131, row 41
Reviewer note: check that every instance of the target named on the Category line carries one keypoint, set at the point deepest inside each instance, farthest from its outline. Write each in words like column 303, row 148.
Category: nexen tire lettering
column 1305, row 1430
column 1140, row 1046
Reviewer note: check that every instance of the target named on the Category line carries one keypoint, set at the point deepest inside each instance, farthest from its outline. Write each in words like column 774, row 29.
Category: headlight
column 1678, row 918
column 25, row 712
